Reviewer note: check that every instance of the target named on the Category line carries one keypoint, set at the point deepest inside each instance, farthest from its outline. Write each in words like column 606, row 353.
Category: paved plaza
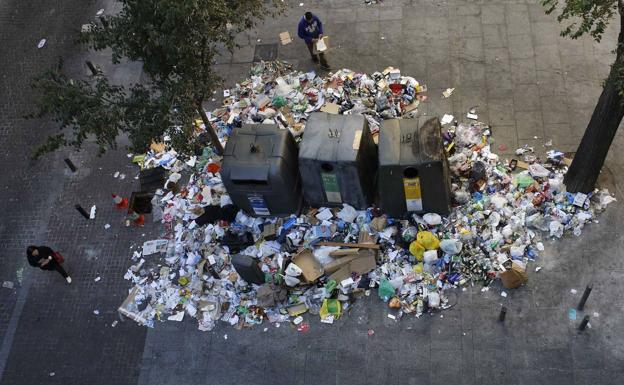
column 504, row 57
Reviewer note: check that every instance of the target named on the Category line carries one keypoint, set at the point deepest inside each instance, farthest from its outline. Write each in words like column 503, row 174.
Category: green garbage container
column 338, row 161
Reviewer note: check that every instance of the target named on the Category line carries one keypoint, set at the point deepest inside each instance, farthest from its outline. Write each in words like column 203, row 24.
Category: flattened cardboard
column 365, row 263
column 312, row 269
column 285, row 38
column 361, row 263
column 297, row 309
column 341, row 274
column 339, row 263
column 343, row 252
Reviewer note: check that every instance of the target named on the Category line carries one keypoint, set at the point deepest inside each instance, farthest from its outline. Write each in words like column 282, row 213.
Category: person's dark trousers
column 53, row 265
column 316, row 58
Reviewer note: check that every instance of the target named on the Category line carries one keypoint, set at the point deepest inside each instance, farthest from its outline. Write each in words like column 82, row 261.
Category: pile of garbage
column 276, row 94
column 216, row 263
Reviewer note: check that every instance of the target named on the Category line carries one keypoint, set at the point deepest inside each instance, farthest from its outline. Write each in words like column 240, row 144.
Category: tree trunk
column 592, row 152
column 214, row 138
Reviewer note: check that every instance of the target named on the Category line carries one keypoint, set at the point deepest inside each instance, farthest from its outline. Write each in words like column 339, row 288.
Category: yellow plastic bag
column 428, row 240
column 417, row 250
column 330, row 307
column 418, row 268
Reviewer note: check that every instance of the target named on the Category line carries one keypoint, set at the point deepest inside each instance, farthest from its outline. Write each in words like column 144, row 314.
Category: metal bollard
column 92, row 68
column 584, row 323
column 503, row 313
column 581, row 304
column 82, row 211
column 70, row 164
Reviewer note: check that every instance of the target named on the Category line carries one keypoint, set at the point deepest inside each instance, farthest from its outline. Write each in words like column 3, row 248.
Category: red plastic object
column 213, row 168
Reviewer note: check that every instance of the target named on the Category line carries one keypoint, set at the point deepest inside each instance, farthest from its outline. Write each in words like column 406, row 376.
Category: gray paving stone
column 493, row 14
column 520, row 46
column 529, row 124
column 505, row 57
column 495, row 36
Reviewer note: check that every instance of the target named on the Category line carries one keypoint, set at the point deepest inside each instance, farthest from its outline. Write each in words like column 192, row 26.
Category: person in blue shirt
column 311, row 30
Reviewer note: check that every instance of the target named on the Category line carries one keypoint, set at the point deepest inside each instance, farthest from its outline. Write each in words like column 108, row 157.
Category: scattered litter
column 41, row 43
column 538, row 268
column 596, row 314
column 92, row 212
column 448, row 92
column 96, row 312
column 447, row 119
column 320, row 261
column 114, row 323
column 572, row 314
column 52, row 374
column 107, row 226
column 573, row 291
column 370, row 332
column 504, row 294
column 285, row 38
column 472, row 114
column 8, row 284
column 97, row 279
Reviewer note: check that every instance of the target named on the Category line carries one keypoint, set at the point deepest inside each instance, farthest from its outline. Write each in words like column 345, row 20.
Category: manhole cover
column 266, row 52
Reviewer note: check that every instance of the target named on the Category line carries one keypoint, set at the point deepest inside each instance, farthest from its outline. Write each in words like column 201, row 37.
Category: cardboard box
column 312, row 269
column 361, row 263
column 513, row 277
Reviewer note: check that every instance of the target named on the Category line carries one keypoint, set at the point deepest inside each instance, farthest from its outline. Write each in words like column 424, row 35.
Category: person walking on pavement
column 44, row 258
column 311, row 30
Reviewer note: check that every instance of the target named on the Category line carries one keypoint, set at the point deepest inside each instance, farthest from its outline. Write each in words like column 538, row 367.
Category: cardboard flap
column 312, row 269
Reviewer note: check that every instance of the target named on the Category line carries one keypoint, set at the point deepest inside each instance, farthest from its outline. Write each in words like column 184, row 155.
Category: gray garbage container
column 413, row 169
column 260, row 171
column 338, row 161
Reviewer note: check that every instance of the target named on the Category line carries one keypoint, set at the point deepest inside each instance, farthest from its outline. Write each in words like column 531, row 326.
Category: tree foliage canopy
column 177, row 43
column 591, row 17
column 583, row 16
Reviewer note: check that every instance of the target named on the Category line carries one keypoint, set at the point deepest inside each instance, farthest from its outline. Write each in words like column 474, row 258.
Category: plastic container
column 338, row 161
column 152, row 179
column 141, row 202
column 413, row 169
column 248, row 269
column 259, row 170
